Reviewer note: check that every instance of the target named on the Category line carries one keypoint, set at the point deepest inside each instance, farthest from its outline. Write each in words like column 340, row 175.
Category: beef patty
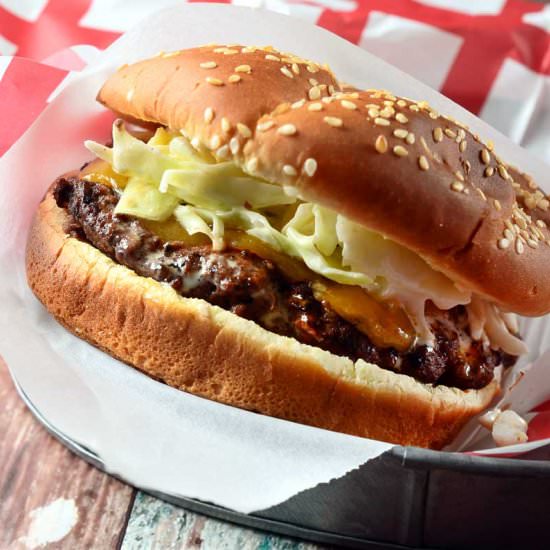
column 254, row 288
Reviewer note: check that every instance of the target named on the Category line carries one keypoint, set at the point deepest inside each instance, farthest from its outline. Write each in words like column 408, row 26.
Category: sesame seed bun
column 391, row 164
column 423, row 180
column 205, row 350
column 214, row 94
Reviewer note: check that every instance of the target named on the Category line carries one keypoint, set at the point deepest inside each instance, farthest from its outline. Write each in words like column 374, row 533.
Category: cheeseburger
column 258, row 235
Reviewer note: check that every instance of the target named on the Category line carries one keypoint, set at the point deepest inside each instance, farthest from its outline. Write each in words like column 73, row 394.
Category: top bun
column 215, row 94
column 391, row 164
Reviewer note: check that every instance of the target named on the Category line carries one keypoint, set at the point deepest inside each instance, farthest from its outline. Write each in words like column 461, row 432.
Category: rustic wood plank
column 155, row 524
column 43, row 482
column 45, row 489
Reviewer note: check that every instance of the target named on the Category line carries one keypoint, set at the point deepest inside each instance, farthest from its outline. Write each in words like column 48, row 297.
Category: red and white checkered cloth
column 491, row 56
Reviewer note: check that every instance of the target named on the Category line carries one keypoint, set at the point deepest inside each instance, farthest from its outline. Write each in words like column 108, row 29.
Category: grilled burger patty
column 254, row 288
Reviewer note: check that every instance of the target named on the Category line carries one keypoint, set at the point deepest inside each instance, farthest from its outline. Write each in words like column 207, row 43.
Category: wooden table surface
column 50, row 498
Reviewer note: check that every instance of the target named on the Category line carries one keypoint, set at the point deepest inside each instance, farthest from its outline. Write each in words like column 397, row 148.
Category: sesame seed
column 286, row 71
column 315, row 107
column 503, row 244
column 295, row 68
column 264, row 126
column 215, row 141
column 248, row 49
column 400, row 133
column 481, row 193
column 489, row 171
column 234, row 78
column 220, row 50
column 541, row 224
column 462, row 146
column 389, row 103
column 234, row 145
column 373, row 112
column 171, row 54
column 310, row 166
column 414, row 107
column 497, row 204
column 208, row 65
column 298, row 104
column 348, row 104
column 485, row 156
column 289, row 170
column 381, row 121
column 229, row 51
column 410, row 139
column 130, row 94
column 313, row 81
column 196, row 143
column 400, row 151
column 438, row 135
column 532, row 243
column 521, row 222
column 223, row 152
column 530, row 202
column 314, row 93
column 381, row 144
column 502, row 172
column 457, row 186
column 243, row 69
column 334, row 121
column 244, row 130
column 312, row 68
column 387, row 112
column 330, row 89
column 450, row 133
column 508, row 234
column 490, row 145
column 208, row 115
column 544, row 204
column 400, row 117
column 459, row 175
column 423, row 163
column 401, row 103
column 226, row 126
column 272, row 57
column 214, row 81
column 519, row 246
column 287, row 130
column 252, row 164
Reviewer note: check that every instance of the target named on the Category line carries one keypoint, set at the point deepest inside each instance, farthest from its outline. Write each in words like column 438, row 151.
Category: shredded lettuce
column 199, row 220
column 143, row 200
column 167, row 176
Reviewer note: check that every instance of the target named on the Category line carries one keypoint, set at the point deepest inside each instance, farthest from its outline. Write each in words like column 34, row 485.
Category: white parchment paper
column 152, row 435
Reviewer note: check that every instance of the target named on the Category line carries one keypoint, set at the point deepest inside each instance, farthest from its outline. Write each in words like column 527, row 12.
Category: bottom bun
column 205, row 350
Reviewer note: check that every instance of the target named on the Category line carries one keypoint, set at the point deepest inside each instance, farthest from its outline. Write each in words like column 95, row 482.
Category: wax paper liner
column 155, row 436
